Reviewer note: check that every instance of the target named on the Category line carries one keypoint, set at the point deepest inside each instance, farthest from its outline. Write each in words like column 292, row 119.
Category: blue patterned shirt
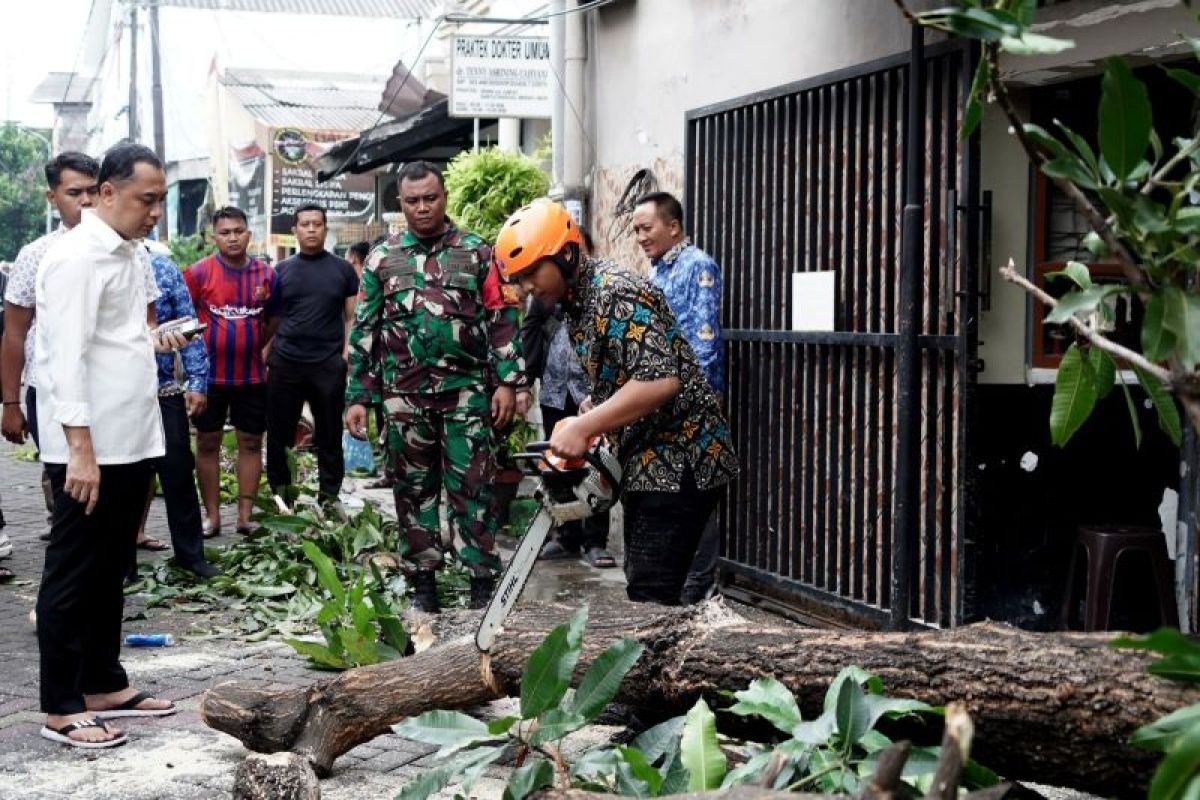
column 691, row 280
column 564, row 374
column 175, row 302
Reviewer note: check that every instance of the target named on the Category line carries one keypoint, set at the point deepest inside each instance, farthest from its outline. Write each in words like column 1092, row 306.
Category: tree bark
column 1053, row 708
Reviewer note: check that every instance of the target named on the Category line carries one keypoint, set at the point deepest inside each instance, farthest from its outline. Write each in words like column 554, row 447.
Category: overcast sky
column 38, row 37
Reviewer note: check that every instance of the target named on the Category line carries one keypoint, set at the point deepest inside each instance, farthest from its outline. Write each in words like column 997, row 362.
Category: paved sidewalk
column 178, row 757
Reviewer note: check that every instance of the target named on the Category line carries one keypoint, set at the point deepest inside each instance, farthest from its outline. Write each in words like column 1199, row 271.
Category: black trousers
column 177, row 474
column 593, row 531
column 662, row 532
column 291, row 384
column 81, row 597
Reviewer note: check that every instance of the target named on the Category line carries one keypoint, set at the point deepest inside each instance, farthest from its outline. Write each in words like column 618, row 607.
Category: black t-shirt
column 310, row 300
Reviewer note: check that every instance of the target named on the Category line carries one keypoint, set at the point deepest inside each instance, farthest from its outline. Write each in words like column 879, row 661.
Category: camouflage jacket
column 431, row 320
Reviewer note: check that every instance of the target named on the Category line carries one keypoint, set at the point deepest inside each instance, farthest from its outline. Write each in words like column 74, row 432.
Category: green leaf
column 635, row 772
column 277, row 523
column 548, row 673
column 1177, row 317
column 1177, row 772
column 1162, row 733
column 748, row 771
column 1186, row 78
column 699, row 750
column 1105, row 370
column 529, row 778
column 972, row 23
column 1134, row 420
column 973, row 113
column 1071, row 169
column 427, row 784
column 870, row 683
column 254, row 590
column 771, row 700
column 892, row 707
column 555, row 724
column 1034, row 44
column 326, row 573
column 663, row 738
column 1073, row 303
column 675, row 776
column 817, row 731
column 1158, row 341
column 1125, row 118
column 501, row 726
column 1076, row 272
column 853, row 716
column 1164, row 641
column 1177, row 668
column 360, row 649
column 604, row 676
column 1164, row 405
column 317, row 653
column 1047, row 141
column 476, row 763
column 1074, row 396
column 1082, row 148
column 441, row 728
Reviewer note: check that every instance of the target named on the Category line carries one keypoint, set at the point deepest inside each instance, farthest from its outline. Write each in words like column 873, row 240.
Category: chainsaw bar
column 512, row 582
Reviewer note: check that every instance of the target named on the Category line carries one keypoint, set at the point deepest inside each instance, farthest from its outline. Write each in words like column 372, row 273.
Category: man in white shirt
column 97, row 406
column 71, row 187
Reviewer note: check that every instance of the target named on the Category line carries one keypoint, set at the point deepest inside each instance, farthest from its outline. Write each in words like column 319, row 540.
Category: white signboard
column 500, row 76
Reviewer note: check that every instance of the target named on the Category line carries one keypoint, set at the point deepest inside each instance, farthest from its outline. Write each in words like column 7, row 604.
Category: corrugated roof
column 317, row 100
column 403, row 9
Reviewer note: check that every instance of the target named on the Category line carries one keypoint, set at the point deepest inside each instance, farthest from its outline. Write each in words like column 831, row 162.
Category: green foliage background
column 484, row 187
column 187, row 250
column 22, row 187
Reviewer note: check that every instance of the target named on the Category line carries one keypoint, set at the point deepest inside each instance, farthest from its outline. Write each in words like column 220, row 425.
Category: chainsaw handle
column 541, row 448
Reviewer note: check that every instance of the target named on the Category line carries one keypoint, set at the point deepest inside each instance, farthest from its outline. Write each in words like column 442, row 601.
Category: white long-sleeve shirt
column 95, row 360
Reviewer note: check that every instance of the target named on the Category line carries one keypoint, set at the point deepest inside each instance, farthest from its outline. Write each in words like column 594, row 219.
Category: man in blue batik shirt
column 178, row 399
column 688, row 276
column 691, row 281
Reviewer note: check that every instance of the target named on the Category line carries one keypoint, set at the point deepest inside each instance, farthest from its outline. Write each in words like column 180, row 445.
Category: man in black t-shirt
column 309, row 317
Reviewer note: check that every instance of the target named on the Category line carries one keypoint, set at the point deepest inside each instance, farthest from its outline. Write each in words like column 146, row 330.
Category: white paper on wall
column 812, row 300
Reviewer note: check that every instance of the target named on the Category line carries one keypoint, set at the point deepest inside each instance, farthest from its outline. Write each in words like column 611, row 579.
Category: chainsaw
column 568, row 490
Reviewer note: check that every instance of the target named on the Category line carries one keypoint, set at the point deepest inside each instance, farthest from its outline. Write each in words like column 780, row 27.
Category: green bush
column 187, row 250
column 484, row 187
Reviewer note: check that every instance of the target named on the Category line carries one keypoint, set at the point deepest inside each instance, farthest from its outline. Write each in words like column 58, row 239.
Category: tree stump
column 276, row 776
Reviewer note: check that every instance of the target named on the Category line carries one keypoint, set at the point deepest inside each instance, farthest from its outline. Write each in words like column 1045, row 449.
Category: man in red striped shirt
column 230, row 290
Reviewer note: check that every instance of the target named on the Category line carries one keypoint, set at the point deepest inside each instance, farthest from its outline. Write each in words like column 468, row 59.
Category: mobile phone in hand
column 188, row 328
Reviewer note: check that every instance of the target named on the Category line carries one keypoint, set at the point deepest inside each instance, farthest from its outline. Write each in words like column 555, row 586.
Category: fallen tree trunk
column 1054, row 708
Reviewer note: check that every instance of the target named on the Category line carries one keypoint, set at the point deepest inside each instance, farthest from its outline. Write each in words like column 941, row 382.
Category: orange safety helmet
column 536, row 231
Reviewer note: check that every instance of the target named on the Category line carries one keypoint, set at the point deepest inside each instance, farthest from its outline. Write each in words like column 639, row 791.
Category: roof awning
column 431, row 134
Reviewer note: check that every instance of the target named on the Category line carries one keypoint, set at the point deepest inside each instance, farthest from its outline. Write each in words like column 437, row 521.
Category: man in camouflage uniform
column 431, row 332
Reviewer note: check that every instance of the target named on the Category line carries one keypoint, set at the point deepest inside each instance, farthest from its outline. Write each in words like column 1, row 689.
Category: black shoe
column 425, row 592
column 481, row 591
column 203, row 569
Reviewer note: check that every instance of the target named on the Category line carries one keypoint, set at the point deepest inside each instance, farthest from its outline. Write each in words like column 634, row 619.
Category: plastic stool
column 1104, row 547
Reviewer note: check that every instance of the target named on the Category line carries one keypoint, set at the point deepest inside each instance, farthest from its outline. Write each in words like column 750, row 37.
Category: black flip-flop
column 130, row 708
column 6, row 574
column 62, row 735
column 599, row 558
column 153, row 544
column 247, row 530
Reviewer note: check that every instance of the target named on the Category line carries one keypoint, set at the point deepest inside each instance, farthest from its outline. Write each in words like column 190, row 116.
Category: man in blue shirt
column 691, row 281
column 179, row 399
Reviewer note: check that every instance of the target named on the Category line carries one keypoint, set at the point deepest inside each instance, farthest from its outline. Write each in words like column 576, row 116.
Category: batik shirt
column 624, row 330
column 691, row 280
column 563, row 376
column 174, row 302
column 22, row 288
column 431, row 319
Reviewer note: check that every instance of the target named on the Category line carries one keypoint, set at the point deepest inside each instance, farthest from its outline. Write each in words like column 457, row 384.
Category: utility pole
column 133, row 72
column 156, row 102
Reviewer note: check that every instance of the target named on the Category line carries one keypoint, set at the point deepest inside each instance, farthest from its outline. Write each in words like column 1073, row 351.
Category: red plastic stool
column 1104, row 547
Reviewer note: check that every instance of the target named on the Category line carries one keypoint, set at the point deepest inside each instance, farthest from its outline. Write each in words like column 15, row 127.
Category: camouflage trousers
column 437, row 443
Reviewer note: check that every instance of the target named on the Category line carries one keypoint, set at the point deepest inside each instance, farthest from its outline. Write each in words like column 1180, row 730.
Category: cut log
column 279, row 776
column 1050, row 708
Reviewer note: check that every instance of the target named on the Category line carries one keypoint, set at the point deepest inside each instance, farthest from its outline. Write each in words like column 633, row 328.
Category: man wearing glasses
column 230, row 290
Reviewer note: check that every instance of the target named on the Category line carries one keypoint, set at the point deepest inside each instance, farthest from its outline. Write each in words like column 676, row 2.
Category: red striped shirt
column 231, row 301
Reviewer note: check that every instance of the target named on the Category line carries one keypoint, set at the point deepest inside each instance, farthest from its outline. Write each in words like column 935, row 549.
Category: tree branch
column 1009, row 273
column 1095, row 218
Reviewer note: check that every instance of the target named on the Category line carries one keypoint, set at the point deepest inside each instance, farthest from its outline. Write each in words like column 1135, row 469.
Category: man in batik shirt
column 431, row 333
column 648, row 391
column 690, row 279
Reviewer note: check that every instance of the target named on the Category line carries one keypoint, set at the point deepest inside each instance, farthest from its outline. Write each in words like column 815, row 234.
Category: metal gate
column 808, row 177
